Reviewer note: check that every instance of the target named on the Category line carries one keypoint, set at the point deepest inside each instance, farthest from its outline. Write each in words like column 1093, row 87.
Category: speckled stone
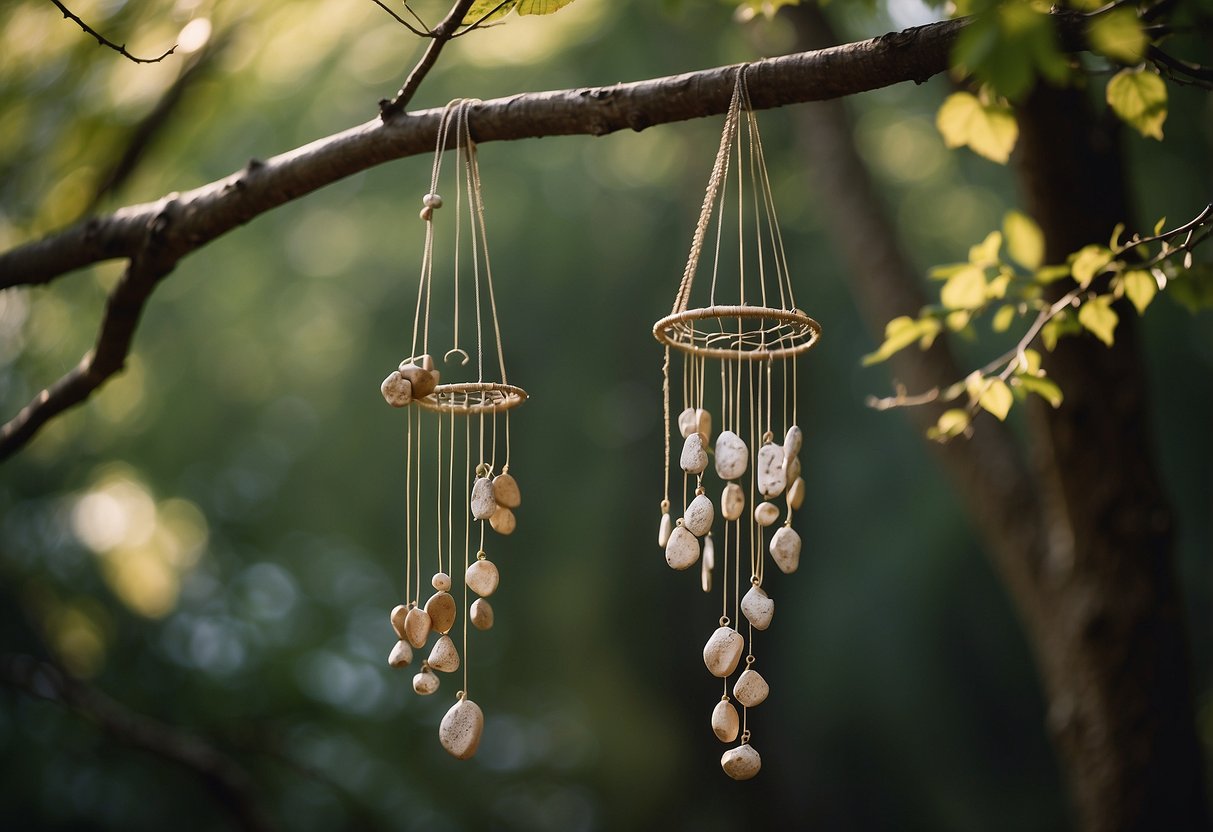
column 481, row 614
column 723, row 651
column 682, row 549
column 503, row 521
column 758, row 607
column 417, row 627
column 751, row 689
column 461, row 728
column 694, row 458
column 396, row 389
column 506, row 492
column 785, row 550
column 443, row 656
column 425, row 682
column 741, row 763
column 482, row 578
column 732, row 501
column 770, row 474
column 732, row 455
column 401, row 654
column 697, row 519
column 765, row 514
column 483, row 503
column 441, row 610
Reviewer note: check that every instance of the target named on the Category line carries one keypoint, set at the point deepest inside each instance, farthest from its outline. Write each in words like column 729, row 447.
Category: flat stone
column 482, row 578
column 417, row 627
column 483, row 504
column 765, row 514
column 396, row 389
column 425, row 682
column 751, row 689
column 481, row 614
column 443, row 656
column 441, row 610
column 725, row 723
column 697, row 519
column 741, row 763
column 732, row 455
column 401, row 654
column 664, row 529
column 460, row 730
column 796, row 494
column 506, row 492
column 732, row 501
column 694, row 458
column 758, row 607
column 503, row 521
column 421, row 379
column 791, row 470
column 399, row 615
column 723, row 651
column 792, row 441
column 770, row 470
column 682, row 549
column 785, row 550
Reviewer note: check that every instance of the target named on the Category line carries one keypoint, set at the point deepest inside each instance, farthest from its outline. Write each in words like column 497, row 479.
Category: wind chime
column 452, row 452
column 752, row 345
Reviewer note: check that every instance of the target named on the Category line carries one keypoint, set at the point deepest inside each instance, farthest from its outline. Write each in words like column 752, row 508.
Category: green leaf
column 541, row 6
column 946, row 271
column 1030, row 363
column 1193, row 287
column 1141, row 287
column 1088, row 262
column 1008, row 45
column 482, row 7
column 1046, row 388
column 1003, row 318
column 997, row 398
column 989, row 130
column 1099, row 318
column 1158, row 225
column 951, row 423
column 1025, row 241
column 1061, row 325
column 750, row 9
column 1118, row 35
column 965, row 290
column 1050, row 274
column 1139, row 97
column 899, row 333
column 985, row 253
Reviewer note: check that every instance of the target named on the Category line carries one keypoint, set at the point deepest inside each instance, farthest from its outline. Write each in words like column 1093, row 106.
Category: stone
column 421, row 379
column 505, row 491
column 482, row 578
column 732, row 501
column 694, row 458
column 400, row 614
column 791, row 470
column 397, row 390
column 481, row 614
column 771, row 479
column 785, row 549
column 426, row 362
column 723, row 651
column 751, row 689
column 758, row 607
column 401, row 654
column 695, row 420
column 441, row 610
column 709, row 553
column 697, row 519
column 796, row 494
column 460, row 730
column 741, row 763
column 425, row 682
column 503, row 521
column 725, row 723
column 664, row 530
column 483, row 504
column 765, row 514
column 443, row 656
column 732, row 455
column 441, row 582
column 792, row 441
column 682, row 549
column 417, row 626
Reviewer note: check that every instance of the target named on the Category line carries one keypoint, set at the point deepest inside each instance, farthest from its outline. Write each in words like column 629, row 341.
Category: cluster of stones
column 777, row 472
column 415, row 378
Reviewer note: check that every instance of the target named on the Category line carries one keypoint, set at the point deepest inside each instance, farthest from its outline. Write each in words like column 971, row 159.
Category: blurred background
column 215, row 539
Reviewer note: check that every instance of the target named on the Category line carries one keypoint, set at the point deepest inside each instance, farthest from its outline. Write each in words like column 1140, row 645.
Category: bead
column 722, row 652
column 694, row 458
column 483, row 504
column 401, row 654
column 664, row 530
column 758, row 608
column 682, row 549
column 417, row 627
column 482, row 578
column 444, row 657
column 741, row 763
column 732, row 455
column 697, row 519
column 725, row 723
column 425, row 682
column 399, row 615
column 432, row 201
column 770, row 470
column 732, row 501
column 481, row 614
column 505, row 491
column 427, row 213
column 751, row 689
column 765, row 514
column 460, row 730
column 441, row 582
column 441, row 610
column 396, row 389
column 503, row 521
column 785, row 549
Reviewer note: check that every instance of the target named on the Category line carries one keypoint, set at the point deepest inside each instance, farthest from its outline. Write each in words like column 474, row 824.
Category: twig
column 441, row 33
column 402, row 21
column 1191, row 73
column 479, row 23
column 119, row 48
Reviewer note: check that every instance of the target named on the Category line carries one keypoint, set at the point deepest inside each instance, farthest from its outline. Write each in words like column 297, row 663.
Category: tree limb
column 103, row 41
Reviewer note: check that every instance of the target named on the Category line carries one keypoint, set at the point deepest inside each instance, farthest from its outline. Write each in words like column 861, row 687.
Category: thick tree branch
column 103, row 41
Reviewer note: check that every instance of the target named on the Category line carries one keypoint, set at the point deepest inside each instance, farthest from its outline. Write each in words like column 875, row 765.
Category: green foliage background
column 253, row 608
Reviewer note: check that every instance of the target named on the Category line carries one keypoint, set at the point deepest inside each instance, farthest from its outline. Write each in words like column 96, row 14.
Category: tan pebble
column 695, row 420
column 732, row 501
column 422, row 380
column 796, row 494
column 441, row 610
column 425, row 682
column 770, row 470
column 481, row 614
column 694, row 458
column 732, row 455
column 709, row 552
column 505, row 491
column 758, row 607
column 741, row 763
column 401, row 654
column 426, row 362
column 396, row 389
column 765, row 514
column 483, row 504
column 664, row 529
column 725, row 723
column 703, row 422
column 400, row 614
column 682, row 549
column 785, row 549
column 723, row 651
column 751, row 689
column 482, row 578
column 441, row 582
column 503, row 521
column 417, row 626
column 792, row 441
column 697, row 519
column 444, row 657
column 686, row 422
column 460, row 730
column 791, row 470
column 705, row 575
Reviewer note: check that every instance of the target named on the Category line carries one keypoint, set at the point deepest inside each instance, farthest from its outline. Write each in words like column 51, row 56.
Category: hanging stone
column 400, row 614
column 770, row 470
column 425, row 682
column 694, row 458
column 732, row 455
column 792, row 442
column 444, row 657
column 396, row 389
column 460, row 730
column 401, row 654
column 741, row 763
column 791, row 470
column 785, row 549
column 420, row 379
column 758, row 607
column 796, row 494
column 695, row 420
column 682, row 549
column 483, row 504
column 697, row 519
column 723, row 651
column 441, row 611
column 707, row 564
column 417, row 626
column 481, row 614
column 482, row 577
column 505, row 491
column 441, row 582
column 503, row 521
column 725, row 723
column 765, row 514
column 750, row 688
column 732, row 501
column 664, row 530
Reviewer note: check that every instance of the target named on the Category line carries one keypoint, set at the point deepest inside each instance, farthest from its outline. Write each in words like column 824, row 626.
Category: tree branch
column 119, row 48
column 418, row 32
column 442, row 33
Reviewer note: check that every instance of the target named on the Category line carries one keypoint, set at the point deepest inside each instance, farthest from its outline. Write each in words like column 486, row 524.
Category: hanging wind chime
column 456, row 434
column 749, row 335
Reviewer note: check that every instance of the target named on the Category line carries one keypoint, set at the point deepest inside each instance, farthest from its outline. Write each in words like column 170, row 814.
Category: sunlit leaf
column 989, row 130
column 1046, row 388
column 965, row 290
column 899, row 333
column 1050, row 274
column 999, row 284
column 1158, row 226
column 1025, row 241
column 1003, row 318
column 747, row 10
column 996, row 398
column 985, row 253
column 1061, row 325
column 483, row 7
column 951, row 423
column 946, row 271
column 1141, row 287
column 1118, row 35
column 1139, row 97
column 1030, row 363
column 541, row 6
column 1098, row 317
column 1089, row 261
column 1007, row 47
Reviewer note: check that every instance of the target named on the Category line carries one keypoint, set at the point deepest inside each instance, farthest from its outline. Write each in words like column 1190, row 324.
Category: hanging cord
column 417, row 511
column 450, row 501
column 438, row 492
column 427, row 257
column 665, row 391
column 784, row 275
column 408, row 507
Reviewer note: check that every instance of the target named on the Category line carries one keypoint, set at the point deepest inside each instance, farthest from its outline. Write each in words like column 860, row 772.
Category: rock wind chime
column 453, row 486
column 752, row 345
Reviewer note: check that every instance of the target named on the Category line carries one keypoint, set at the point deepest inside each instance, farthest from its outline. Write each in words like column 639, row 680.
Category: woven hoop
column 473, row 397
column 749, row 333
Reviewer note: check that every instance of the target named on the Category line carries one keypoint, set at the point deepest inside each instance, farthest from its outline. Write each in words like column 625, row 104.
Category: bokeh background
column 214, row 540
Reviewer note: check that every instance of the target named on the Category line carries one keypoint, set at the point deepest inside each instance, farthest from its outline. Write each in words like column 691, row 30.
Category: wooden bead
column 441, row 611
column 505, row 491
column 723, row 651
column 694, row 458
column 664, row 530
column 732, row 501
column 751, row 689
column 460, row 730
column 785, row 549
column 483, row 504
column 796, row 494
column 399, row 615
column 765, row 514
column 770, row 470
column 732, row 455
column 444, row 657
column 482, row 578
column 396, row 389
column 417, row 626
column 792, row 441
column 725, row 723
column 441, row 582
column 422, row 380
column 758, row 608
column 697, row 519
column 503, row 521
column 682, row 549
column 425, row 682
column 481, row 614
column 741, row 763
column 401, row 654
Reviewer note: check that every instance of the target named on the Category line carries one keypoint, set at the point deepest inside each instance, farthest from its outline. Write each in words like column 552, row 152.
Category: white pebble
column 785, row 549
column 723, row 651
column 482, row 577
column 725, row 723
column 741, row 763
column 732, row 455
column 765, row 514
column 697, row 519
column 682, row 549
column 460, row 730
column 732, row 501
column 751, row 689
column 694, row 458
column 770, row 470
column 758, row 607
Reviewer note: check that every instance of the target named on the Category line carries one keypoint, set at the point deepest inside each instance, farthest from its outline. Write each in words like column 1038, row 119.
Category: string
column 408, row 508
column 438, row 491
column 417, row 508
column 450, row 502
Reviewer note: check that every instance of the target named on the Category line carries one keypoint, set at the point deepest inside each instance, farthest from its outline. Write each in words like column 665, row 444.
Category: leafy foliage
column 1139, row 97
column 488, row 11
column 988, row 129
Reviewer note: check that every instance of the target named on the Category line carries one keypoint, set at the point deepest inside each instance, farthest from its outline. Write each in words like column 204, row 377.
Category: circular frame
column 473, row 397
column 782, row 333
